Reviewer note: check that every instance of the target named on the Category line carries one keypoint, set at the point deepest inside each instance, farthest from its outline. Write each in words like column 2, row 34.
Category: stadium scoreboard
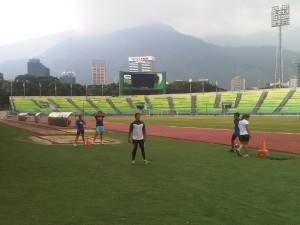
column 142, row 82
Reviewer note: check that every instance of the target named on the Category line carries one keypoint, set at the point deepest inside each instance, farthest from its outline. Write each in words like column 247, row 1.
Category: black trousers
column 137, row 143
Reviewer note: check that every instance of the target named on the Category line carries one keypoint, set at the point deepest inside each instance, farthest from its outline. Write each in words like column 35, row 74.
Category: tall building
column 98, row 72
column 68, row 77
column 1, row 76
column 36, row 68
column 141, row 64
column 238, row 83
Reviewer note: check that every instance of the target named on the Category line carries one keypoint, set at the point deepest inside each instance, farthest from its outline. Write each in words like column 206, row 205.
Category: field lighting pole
column 11, row 88
column 71, row 89
column 24, row 88
column 55, row 89
column 40, row 85
column 190, row 81
column 280, row 16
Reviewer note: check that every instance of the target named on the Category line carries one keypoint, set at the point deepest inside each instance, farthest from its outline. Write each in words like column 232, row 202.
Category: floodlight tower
column 280, row 17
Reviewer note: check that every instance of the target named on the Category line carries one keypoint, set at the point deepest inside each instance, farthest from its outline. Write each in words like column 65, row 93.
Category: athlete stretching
column 99, row 117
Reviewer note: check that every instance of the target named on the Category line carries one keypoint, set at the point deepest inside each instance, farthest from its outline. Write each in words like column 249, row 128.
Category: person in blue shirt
column 236, row 131
column 80, row 129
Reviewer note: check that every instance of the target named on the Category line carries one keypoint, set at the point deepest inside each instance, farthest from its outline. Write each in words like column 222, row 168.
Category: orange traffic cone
column 89, row 141
column 263, row 151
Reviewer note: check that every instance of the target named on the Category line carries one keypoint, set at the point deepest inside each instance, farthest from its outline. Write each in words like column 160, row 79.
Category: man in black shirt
column 99, row 117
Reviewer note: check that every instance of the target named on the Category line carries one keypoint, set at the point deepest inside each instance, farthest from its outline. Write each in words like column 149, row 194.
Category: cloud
column 195, row 17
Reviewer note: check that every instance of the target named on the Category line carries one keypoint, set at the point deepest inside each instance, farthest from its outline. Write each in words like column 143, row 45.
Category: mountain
column 290, row 39
column 181, row 56
column 32, row 47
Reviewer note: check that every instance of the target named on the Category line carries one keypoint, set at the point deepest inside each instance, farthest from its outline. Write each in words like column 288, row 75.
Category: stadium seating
column 138, row 99
column 182, row 104
column 44, row 104
column 122, row 105
column 84, row 105
column 248, row 102
column 228, row 97
column 103, row 105
column 293, row 104
column 25, row 105
column 159, row 104
column 206, row 104
column 63, row 105
column 273, row 100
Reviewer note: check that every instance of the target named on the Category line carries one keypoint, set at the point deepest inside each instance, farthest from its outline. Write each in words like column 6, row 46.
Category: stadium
column 148, row 149
column 261, row 102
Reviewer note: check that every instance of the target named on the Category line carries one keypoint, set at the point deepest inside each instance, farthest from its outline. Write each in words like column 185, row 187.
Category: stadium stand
column 103, row 105
column 44, row 104
column 277, row 101
column 63, row 105
column 228, row 97
column 122, row 105
column 293, row 104
column 206, row 104
column 248, row 102
column 82, row 103
column 25, row 105
column 273, row 100
column 182, row 104
column 159, row 104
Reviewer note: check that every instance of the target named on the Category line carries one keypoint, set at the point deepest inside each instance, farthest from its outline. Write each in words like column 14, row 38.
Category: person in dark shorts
column 244, row 136
column 80, row 129
column 137, row 136
column 236, row 131
column 99, row 117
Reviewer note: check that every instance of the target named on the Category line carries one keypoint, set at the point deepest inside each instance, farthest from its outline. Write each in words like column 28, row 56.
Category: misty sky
column 26, row 19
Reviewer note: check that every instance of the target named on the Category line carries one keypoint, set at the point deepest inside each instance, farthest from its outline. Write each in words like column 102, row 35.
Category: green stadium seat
column 159, row 104
column 248, row 102
column 83, row 104
column 206, row 104
column 44, row 104
column 273, row 100
column 103, row 105
column 182, row 104
column 63, row 105
column 123, row 106
column 293, row 104
column 25, row 105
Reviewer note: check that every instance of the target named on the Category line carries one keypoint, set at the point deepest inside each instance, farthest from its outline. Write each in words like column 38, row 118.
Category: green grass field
column 290, row 124
column 187, row 183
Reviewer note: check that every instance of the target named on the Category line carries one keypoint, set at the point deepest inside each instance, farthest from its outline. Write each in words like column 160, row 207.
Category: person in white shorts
column 244, row 136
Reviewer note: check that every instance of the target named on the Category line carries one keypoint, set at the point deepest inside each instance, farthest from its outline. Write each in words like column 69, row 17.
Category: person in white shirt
column 244, row 136
column 137, row 136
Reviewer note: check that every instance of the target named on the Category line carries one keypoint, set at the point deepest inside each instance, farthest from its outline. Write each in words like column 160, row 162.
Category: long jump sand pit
column 67, row 137
column 67, row 140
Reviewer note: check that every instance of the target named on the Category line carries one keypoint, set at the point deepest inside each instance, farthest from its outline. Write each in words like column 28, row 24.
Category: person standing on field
column 99, row 117
column 137, row 136
column 236, row 131
column 80, row 123
column 244, row 136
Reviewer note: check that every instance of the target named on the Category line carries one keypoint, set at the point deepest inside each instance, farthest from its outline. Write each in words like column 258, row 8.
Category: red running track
column 285, row 142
